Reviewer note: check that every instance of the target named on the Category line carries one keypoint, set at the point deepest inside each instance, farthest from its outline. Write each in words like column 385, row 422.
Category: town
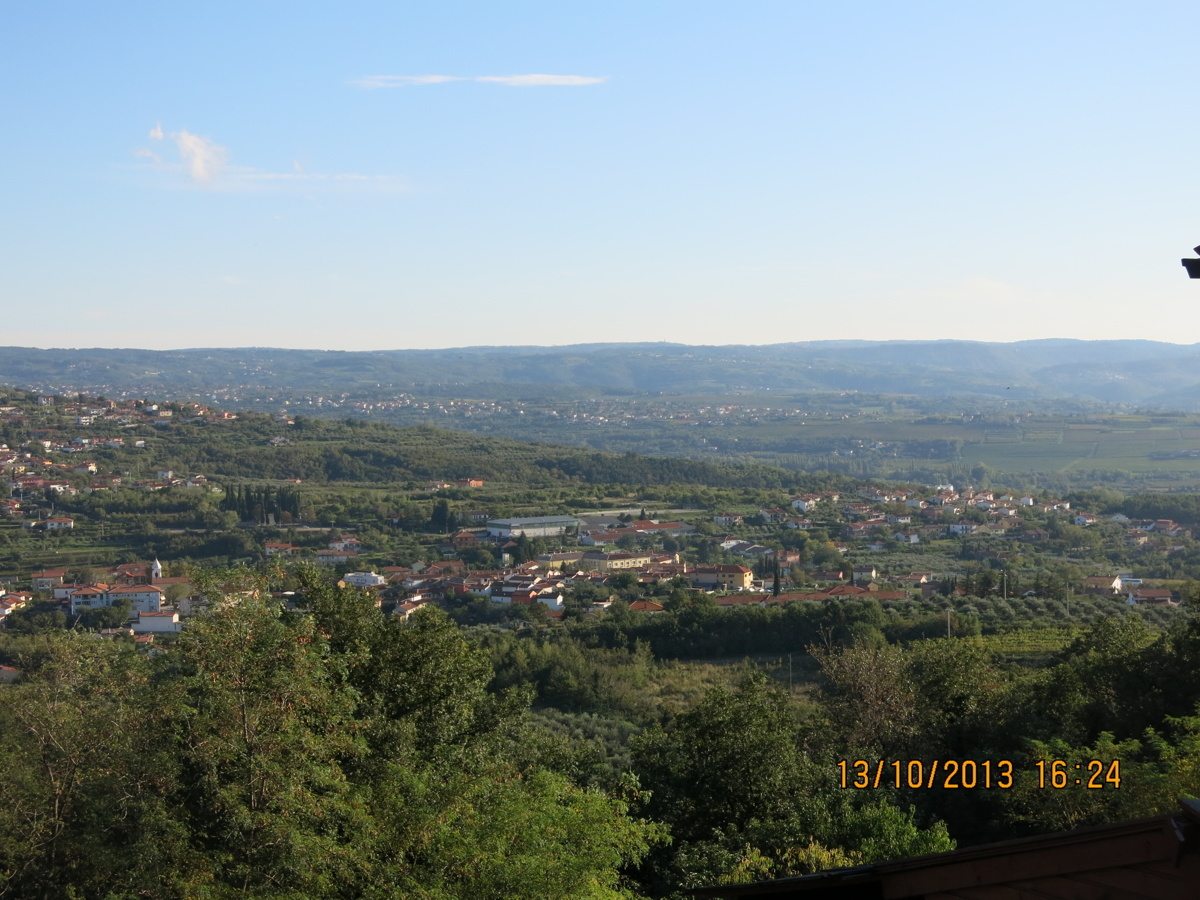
column 68, row 463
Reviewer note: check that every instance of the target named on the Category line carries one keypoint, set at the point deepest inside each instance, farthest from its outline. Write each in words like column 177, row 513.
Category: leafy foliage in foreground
column 325, row 755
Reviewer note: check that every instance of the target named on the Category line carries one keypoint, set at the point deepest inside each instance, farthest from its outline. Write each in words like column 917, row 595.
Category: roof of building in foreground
column 1156, row 859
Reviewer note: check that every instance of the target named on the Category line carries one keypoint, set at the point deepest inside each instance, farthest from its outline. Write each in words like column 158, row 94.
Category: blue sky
column 401, row 174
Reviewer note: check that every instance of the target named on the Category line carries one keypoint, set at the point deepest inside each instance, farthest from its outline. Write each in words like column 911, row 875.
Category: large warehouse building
column 541, row 526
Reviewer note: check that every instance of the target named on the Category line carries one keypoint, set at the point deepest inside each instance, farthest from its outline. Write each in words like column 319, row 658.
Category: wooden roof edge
column 1177, row 830
column 1163, row 823
column 846, row 875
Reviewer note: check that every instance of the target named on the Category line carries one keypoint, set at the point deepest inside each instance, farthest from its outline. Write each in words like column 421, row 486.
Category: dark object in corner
column 1192, row 265
column 1146, row 859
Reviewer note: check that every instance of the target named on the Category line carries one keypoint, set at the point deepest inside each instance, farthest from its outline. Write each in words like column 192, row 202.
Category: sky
column 363, row 176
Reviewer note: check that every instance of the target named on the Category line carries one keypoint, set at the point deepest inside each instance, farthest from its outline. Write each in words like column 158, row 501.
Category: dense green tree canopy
column 275, row 754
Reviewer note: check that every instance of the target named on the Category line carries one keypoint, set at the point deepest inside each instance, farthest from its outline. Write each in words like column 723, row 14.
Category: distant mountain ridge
column 1135, row 372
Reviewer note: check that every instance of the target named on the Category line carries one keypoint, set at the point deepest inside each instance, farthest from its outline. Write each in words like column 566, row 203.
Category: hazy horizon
column 533, row 346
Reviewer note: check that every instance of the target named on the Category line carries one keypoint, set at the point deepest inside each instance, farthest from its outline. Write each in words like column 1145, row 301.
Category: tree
column 263, row 749
column 730, row 780
column 442, row 520
column 327, row 754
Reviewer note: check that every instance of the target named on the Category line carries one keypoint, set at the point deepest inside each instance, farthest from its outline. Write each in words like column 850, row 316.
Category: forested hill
column 1122, row 371
column 256, row 446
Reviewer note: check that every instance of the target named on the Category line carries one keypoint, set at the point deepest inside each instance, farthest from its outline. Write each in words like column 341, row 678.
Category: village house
column 465, row 540
column 363, row 579
column 47, row 579
column 865, row 573
column 406, row 608
column 10, row 603
column 1166, row 526
column 774, row 516
column 606, row 562
column 141, row 597
column 646, row 606
column 1151, row 597
column 725, row 577
column 599, row 538
column 477, row 584
column 164, row 622
column 1102, row 585
column 1135, row 537
column 333, row 557
column 345, row 542
column 560, row 559
column 135, row 573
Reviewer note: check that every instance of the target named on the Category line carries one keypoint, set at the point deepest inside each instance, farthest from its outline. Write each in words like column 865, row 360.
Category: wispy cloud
column 203, row 158
column 204, row 163
column 374, row 82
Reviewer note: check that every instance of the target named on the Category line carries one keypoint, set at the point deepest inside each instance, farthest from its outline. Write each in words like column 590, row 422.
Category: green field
column 1134, row 452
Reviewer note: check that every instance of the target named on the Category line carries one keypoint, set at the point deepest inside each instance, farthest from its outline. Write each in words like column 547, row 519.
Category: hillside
column 1144, row 373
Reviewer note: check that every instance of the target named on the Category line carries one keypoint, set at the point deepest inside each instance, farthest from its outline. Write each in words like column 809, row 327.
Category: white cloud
column 203, row 158
column 204, row 163
column 373, row 82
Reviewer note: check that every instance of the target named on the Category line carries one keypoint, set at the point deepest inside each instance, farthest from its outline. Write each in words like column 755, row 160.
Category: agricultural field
column 1130, row 452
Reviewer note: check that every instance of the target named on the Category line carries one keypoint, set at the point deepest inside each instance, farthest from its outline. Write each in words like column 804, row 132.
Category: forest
column 315, row 749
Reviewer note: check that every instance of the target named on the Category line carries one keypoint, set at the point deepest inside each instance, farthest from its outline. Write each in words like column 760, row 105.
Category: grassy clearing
column 678, row 685
column 1031, row 647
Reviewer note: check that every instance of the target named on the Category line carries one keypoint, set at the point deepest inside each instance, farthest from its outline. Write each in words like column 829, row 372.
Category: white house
column 157, row 623
column 364, row 579
column 145, row 598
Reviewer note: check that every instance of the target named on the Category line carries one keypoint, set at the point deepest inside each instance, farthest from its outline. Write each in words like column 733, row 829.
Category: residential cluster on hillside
column 607, row 550
column 139, row 587
column 865, row 541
